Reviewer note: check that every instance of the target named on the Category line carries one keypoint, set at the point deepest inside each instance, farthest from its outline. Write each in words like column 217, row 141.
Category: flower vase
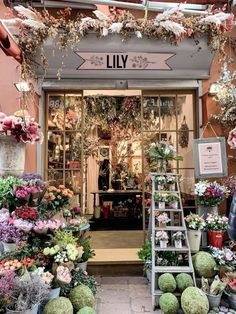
column 162, row 224
column 194, row 239
column 172, row 187
column 160, row 187
column 161, row 166
column 54, row 293
column 97, row 212
column 174, row 205
column 163, row 244
column 216, row 238
column 12, row 157
column 204, row 210
column 178, row 244
column 9, row 247
column 161, row 205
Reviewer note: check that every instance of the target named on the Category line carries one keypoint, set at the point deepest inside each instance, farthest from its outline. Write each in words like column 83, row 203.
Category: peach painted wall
column 10, row 97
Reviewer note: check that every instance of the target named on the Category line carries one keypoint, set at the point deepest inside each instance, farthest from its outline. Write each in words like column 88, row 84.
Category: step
column 172, row 248
column 173, row 269
column 171, row 228
column 168, row 209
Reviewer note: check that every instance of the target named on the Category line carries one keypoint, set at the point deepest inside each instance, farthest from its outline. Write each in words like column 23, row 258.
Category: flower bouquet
column 162, row 238
column 10, row 236
column 171, row 181
column 178, row 237
column 163, row 219
column 162, row 152
column 225, row 258
column 216, row 226
column 195, row 224
column 57, row 198
column 161, row 180
column 161, row 199
column 173, row 200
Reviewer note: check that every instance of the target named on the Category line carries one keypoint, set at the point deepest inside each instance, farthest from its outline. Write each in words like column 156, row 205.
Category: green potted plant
column 162, row 239
column 194, row 224
column 161, row 199
column 213, row 291
column 216, row 226
column 163, row 219
column 171, row 182
column 161, row 181
column 145, row 254
column 178, row 237
column 173, row 200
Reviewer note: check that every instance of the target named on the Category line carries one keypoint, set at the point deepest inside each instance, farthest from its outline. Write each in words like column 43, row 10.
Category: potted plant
column 214, row 291
column 178, row 237
column 171, row 181
column 10, row 236
column 230, row 280
column 195, row 224
column 208, row 196
column 161, row 180
column 163, row 219
column 145, row 254
column 216, row 226
column 225, row 259
column 161, row 199
column 173, row 200
column 162, row 152
column 15, row 131
column 26, row 294
column 162, row 238
column 87, row 252
column 48, row 278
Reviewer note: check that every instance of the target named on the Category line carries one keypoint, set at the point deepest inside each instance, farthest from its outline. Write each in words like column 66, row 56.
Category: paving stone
column 114, row 280
column 141, row 305
column 113, row 296
column 137, row 280
column 98, row 280
column 139, row 291
column 117, row 287
column 115, row 308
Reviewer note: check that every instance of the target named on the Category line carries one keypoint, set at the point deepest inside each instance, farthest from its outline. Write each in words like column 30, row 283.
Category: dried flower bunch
column 171, row 25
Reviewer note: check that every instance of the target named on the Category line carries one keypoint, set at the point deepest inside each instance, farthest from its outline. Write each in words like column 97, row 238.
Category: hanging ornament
column 184, row 134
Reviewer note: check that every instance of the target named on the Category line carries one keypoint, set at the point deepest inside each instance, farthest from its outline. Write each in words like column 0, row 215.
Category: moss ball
column 184, row 281
column 169, row 304
column 86, row 310
column 167, row 283
column 58, row 305
column 81, row 296
column 204, row 264
column 194, row 301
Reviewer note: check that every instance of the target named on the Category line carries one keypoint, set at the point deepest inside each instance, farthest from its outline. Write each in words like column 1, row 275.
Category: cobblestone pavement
column 123, row 295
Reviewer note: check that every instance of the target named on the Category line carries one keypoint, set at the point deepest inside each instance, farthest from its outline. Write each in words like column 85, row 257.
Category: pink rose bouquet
column 63, row 275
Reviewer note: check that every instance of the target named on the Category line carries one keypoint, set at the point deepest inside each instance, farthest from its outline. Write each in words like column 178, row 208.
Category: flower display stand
column 171, row 228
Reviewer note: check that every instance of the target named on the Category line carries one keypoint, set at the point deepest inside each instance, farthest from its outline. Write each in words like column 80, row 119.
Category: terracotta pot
column 194, row 239
column 216, row 238
column 12, row 157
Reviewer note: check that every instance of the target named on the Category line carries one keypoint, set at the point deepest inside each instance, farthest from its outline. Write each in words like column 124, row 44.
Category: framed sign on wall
column 210, row 159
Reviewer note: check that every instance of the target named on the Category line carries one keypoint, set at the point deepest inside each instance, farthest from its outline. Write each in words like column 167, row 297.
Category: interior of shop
column 96, row 144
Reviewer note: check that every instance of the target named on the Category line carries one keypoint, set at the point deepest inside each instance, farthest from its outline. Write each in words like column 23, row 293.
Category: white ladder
column 157, row 270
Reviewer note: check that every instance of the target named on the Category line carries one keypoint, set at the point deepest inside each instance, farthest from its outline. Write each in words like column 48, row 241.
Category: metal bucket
column 214, row 300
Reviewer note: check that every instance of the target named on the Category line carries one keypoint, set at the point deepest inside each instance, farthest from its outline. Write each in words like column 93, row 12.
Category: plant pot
column 83, row 265
column 160, row 187
column 178, row 244
column 216, row 238
column 204, row 210
column 214, row 300
column 163, row 244
column 9, row 247
column 12, row 157
column 232, row 300
column 161, row 205
column 172, row 187
column 97, row 212
column 54, row 293
column 194, row 239
column 162, row 225
column 33, row 310
column 174, row 205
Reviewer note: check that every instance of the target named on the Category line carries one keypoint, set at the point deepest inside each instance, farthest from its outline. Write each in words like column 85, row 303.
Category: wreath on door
column 184, row 134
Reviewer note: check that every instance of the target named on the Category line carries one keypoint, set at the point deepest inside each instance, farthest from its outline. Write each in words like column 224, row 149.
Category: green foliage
column 204, row 264
column 169, row 304
column 7, row 186
column 81, row 296
column 79, row 277
column 145, row 254
column 58, row 305
column 184, row 281
column 194, row 301
column 88, row 252
column 167, row 283
column 65, row 237
column 86, row 310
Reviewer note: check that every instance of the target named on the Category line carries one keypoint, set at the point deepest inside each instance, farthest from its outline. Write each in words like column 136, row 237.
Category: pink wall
column 10, row 97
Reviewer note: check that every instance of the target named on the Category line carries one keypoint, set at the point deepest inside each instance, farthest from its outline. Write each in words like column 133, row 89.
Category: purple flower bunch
column 25, row 191
column 31, row 176
column 10, row 234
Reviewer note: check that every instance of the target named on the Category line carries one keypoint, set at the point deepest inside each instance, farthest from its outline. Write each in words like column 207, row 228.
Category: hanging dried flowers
column 184, row 134
column 171, row 25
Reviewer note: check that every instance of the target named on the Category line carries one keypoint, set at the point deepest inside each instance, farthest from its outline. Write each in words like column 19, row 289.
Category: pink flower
column 63, row 274
column 7, row 123
column 4, row 214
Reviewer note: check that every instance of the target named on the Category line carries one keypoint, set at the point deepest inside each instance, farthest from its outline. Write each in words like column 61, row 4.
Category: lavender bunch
column 10, row 234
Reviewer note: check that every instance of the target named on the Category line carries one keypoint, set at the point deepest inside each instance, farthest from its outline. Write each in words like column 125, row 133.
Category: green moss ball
column 194, row 301
column 167, row 283
column 204, row 264
column 169, row 304
column 86, row 310
column 184, row 281
column 81, row 296
column 58, row 305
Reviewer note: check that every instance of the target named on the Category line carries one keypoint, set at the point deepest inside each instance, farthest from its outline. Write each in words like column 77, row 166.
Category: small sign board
column 210, row 159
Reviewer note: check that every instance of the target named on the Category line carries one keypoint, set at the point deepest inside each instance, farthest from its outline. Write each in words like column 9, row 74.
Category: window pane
column 168, row 112
column 187, row 180
column 56, row 176
column 73, row 180
column 73, row 112
column 73, row 150
column 186, row 139
column 151, row 119
column 55, row 150
column 56, row 112
column 186, row 115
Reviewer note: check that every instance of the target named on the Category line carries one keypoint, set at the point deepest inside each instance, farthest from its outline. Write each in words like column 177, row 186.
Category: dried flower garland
column 171, row 26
